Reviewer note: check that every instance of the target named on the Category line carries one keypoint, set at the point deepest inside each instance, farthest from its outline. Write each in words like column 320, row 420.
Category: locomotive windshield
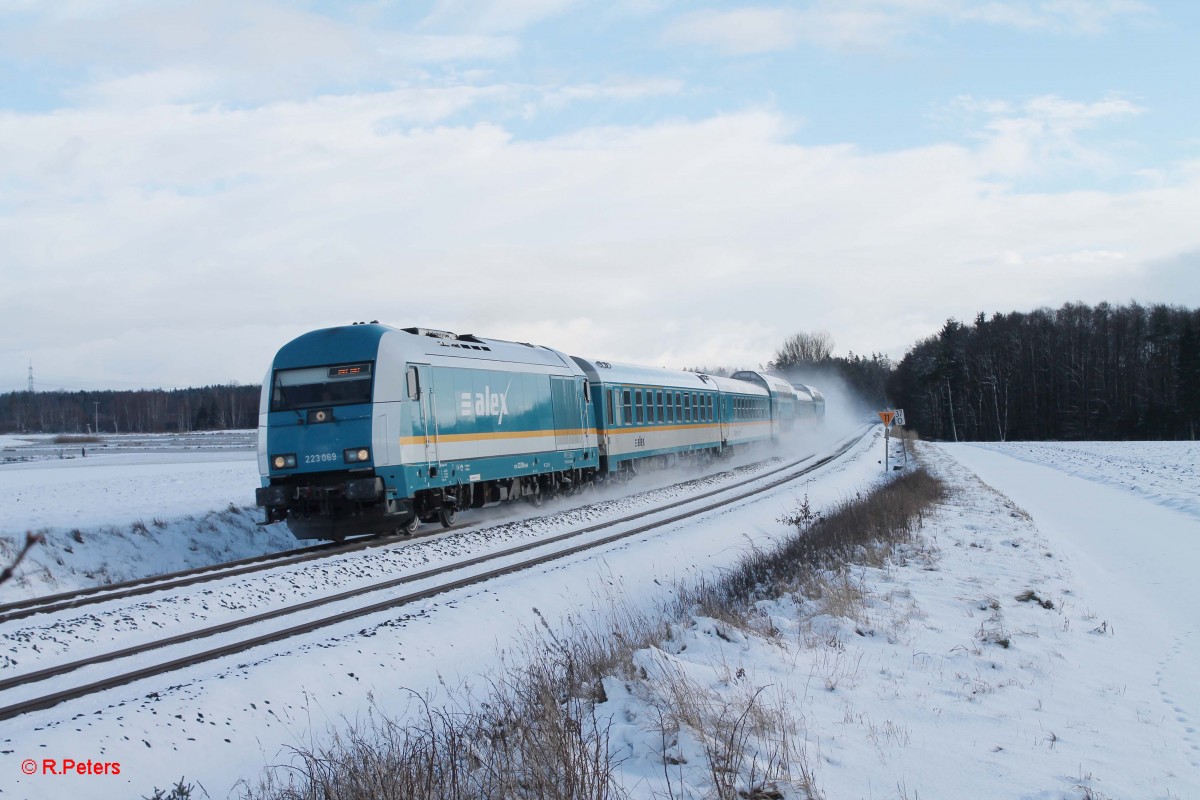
column 308, row 387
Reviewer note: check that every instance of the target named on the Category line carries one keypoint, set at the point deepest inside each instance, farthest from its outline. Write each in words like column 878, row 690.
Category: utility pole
column 96, row 430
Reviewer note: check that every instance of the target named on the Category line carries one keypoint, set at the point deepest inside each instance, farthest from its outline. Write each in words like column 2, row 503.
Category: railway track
column 124, row 590
column 417, row 586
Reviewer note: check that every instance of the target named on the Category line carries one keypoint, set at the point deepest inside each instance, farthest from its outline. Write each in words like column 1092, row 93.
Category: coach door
column 724, row 405
column 424, row 417
column 566, row 395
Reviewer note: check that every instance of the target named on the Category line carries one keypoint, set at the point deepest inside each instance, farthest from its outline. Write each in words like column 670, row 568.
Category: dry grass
column 538, row 734
column 861, row 530
column 749, row 741
column 532, row 738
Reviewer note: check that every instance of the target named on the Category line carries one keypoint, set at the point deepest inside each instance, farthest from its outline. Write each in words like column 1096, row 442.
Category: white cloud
column 1064, row 16
column 740, row 32
column 227, row 51
column 859, row 25
column 673, row 243
column 1044, row 134
column 494, row 16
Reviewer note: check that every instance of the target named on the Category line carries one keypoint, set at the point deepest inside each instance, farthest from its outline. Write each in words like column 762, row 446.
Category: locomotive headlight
column 286, row 461
column 356, row 454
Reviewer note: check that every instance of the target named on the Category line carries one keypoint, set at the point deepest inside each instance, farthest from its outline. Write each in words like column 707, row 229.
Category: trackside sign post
column 887, row 417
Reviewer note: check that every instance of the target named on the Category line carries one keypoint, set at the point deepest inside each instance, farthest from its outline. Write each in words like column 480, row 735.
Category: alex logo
column 484, row 404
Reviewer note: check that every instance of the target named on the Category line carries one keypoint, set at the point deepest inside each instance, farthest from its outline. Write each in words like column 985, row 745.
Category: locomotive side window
column 414, row 384
column 309, row 387
column 608, row 410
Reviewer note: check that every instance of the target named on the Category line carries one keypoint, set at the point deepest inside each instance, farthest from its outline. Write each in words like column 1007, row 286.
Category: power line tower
column 31, row 376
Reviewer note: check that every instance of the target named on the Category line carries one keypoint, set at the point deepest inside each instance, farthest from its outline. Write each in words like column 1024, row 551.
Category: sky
column 186, row 186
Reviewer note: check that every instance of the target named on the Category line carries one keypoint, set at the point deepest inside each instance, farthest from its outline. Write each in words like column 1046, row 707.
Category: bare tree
column 803, row 348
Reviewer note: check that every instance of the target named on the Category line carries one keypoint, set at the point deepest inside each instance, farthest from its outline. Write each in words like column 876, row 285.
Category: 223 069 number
column 319, row 458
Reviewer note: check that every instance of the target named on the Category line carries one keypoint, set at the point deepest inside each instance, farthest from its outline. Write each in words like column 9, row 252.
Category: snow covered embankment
column 976, row 667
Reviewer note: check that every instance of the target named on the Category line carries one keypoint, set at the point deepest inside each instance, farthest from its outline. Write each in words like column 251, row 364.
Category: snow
column 136, row 505
column 916, row 698
column 1168, row 473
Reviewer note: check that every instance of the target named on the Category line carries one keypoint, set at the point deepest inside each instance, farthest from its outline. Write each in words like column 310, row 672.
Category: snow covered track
column 21, row 609
column 124, row 590
column 260, row 629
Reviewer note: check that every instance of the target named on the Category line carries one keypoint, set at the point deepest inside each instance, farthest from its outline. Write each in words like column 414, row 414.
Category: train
column 371, row 429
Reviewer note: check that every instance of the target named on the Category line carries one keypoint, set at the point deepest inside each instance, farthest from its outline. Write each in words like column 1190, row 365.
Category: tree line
column 1076, row 373
column 220, row 407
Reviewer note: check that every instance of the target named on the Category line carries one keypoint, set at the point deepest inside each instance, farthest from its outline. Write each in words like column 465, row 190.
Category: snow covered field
column 1095, row 693
column 136, row 505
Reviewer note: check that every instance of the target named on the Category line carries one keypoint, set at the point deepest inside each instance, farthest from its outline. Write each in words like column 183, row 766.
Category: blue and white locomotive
column 367, row 428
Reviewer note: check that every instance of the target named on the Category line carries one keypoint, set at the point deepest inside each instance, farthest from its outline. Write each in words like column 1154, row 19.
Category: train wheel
column 536, row 498
column 410, row 527
column 447, row 516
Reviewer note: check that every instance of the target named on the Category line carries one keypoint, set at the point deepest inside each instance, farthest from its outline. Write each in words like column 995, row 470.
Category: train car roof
column 637, row 375
column 739, row 386
column 814, row 393
column 330, row 345
column 361, row 340
column 776, row 384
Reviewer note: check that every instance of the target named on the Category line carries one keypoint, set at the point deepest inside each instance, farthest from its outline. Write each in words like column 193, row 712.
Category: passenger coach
column 662, row 415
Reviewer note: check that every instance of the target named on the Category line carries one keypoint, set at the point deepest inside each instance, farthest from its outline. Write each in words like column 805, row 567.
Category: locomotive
column 370, row 429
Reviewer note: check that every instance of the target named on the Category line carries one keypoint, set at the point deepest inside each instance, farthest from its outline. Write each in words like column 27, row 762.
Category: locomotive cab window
column 309, row 387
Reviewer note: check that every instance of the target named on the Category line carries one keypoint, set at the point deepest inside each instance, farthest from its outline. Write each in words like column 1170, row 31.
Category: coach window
column 670, row 409
column 687, row 407
column 649, row 407
column 637, row 407
column 658, row 401
column 627, row 404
